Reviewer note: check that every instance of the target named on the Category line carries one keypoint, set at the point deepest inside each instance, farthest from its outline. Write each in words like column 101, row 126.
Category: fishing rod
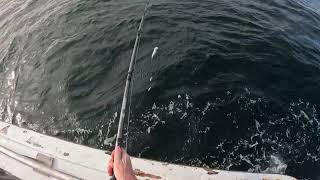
column 119, row 140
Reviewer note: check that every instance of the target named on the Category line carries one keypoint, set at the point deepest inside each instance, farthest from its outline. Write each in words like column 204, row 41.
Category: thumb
column 117, row 154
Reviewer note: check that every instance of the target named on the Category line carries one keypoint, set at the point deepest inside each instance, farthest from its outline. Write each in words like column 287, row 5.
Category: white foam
column 276, row 165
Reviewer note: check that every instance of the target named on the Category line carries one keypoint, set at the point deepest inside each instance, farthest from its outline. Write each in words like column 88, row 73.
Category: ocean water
column 234, row 85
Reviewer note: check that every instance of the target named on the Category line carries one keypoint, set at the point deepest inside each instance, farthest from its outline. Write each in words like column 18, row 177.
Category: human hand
column 120, row 165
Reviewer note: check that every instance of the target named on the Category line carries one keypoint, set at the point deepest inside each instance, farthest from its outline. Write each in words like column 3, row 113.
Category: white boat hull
column 30, row 155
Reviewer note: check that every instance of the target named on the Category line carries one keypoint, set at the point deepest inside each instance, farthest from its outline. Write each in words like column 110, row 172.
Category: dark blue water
column 235, row 84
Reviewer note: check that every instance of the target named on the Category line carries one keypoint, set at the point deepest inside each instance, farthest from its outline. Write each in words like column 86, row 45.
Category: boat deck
column 31, row 155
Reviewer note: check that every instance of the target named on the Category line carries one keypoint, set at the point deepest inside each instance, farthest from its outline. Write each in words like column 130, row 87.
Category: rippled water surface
column 235, row 83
